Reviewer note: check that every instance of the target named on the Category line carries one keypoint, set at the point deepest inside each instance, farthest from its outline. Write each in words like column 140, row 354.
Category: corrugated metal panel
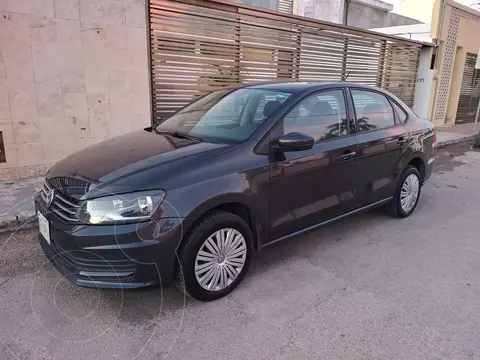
column 201, row 48
column 469, row 92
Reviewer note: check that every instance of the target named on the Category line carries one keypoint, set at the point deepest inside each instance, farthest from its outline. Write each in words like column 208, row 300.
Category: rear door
column 381, row 139
column 308, row 187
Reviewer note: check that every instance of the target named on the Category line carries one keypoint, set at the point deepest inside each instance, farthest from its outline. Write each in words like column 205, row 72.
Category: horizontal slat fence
column 196, row 48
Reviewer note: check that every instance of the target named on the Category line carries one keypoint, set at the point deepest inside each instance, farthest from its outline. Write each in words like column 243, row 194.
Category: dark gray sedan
column 189, row 200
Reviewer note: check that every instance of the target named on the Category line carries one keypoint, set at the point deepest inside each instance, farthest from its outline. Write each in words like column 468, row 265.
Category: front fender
column 192, row 202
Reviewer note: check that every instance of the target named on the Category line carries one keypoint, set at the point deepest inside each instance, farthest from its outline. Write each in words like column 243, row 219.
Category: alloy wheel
column 220, row 259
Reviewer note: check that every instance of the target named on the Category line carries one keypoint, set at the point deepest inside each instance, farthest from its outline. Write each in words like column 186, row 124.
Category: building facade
column 456, row 87
column 449, row 89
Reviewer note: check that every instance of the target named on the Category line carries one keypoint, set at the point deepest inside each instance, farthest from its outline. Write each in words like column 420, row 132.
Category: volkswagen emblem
column 50, row 197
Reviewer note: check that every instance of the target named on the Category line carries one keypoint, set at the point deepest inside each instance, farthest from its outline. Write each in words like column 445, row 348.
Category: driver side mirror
column 294, row 142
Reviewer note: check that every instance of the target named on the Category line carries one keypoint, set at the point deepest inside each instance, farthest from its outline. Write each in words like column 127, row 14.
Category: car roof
column 295, row 87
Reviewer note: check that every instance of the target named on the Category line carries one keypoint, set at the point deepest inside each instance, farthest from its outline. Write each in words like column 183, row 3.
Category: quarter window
column 373, row 110
column 401, row 116
column 321, row 116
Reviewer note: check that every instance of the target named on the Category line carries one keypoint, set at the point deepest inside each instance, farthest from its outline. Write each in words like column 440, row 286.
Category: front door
column 381, row 139
column 308, row 187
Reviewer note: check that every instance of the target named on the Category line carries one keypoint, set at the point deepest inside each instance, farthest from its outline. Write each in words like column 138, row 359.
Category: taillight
column 434, row 136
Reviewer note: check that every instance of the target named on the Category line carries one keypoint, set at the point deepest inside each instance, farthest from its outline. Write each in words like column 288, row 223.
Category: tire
column 211, row 226
column 395, row 208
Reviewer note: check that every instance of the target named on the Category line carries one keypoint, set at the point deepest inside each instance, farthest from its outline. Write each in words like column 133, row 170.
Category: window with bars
column 285, row 6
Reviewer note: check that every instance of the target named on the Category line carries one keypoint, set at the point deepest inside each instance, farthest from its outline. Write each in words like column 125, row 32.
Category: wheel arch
column 237, row 204
column 418, row 163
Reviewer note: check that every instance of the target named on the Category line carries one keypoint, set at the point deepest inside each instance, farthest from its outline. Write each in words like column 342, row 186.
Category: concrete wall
column 326, row 10
column 72, row 73
column 366, row 17
column 364, row 14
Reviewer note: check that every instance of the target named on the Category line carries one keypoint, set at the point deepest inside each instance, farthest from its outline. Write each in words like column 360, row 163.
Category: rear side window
column 399, row 113
column 373, row 110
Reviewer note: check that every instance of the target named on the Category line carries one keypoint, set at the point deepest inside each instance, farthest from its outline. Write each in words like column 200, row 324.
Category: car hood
column 126, row 163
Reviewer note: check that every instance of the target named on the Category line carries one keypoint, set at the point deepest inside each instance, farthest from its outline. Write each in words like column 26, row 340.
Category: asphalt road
column 369, row 287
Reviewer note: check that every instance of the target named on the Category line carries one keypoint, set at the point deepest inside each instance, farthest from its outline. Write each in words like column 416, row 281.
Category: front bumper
column 112, row 256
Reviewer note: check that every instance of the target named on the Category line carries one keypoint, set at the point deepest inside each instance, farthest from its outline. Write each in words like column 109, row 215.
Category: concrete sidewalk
column 447, row 135
column 17, row 210
column 16, row 198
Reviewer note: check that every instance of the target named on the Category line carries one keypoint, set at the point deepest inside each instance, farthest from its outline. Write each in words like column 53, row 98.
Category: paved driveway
column 369, row 287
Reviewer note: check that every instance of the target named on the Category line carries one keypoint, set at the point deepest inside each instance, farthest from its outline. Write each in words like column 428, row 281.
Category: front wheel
column 214, row 256
column 406, row 195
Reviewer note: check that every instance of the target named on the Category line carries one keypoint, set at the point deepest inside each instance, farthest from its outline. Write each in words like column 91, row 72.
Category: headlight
column 120, row 208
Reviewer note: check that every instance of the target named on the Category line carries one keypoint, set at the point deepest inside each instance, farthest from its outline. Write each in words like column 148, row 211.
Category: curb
column 467, row 138
column 12, row 223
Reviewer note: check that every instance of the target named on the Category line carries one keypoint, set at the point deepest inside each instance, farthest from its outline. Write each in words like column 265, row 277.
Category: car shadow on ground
column 269, row 259
column 141, row 306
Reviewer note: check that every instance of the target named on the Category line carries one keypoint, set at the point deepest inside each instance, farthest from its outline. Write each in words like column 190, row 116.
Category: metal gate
column 469, row 92
column 206, row 44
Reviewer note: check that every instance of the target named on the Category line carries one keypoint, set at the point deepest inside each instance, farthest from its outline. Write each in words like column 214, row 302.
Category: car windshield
column 228, row 116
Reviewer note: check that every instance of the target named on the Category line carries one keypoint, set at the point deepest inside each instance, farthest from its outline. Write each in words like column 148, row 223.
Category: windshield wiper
column 181, row 135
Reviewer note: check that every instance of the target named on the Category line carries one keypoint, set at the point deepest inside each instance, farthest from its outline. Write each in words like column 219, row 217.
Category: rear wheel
column 214, row 257
column 406, row 195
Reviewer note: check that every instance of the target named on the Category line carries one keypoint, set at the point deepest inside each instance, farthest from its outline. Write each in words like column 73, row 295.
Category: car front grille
column 71, row 187
column 62, row 206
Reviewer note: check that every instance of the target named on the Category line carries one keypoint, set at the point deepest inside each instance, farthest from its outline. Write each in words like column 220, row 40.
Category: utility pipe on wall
column 345, row 11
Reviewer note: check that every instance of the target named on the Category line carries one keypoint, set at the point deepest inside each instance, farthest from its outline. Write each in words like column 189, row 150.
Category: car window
column 399, row 112
column 321, row 116
column 373, row 110
column 273, row 98
column 226, row 116
column 227, row 111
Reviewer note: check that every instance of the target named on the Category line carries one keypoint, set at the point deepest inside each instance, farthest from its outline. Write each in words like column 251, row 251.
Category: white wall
column 423, row 88
column 418, row 32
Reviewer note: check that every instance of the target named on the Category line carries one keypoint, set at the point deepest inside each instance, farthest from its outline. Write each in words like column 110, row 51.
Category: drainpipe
column 345, row 11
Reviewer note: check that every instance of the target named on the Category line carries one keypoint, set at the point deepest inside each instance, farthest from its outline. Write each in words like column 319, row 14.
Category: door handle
column 348, row 155
column 401, row 140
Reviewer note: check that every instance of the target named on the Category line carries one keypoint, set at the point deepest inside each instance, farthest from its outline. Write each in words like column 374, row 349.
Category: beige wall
column 451, row 59
column 72, row 73
column 468, row 35
column 417, row 9
column 436, row 16
column 466, row 43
